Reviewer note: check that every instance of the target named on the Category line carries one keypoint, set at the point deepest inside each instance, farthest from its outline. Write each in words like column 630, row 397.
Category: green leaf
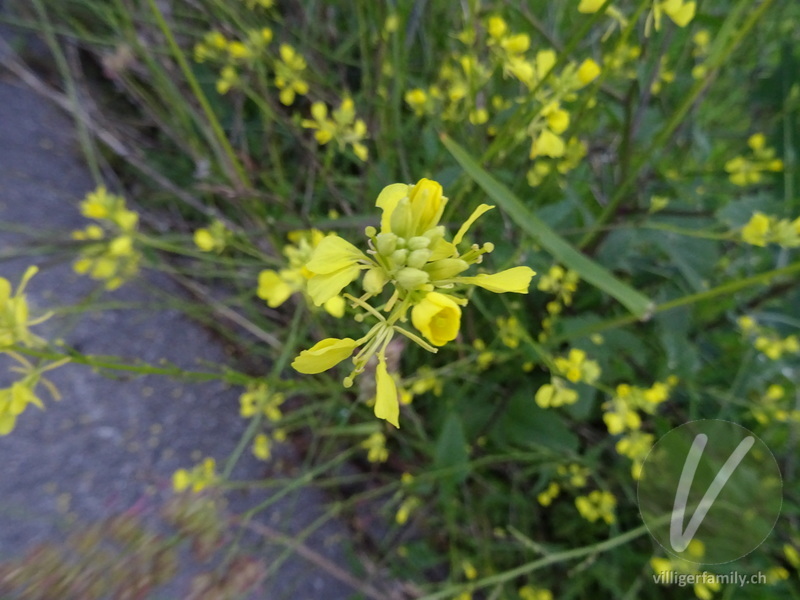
column 637, row 303
column 451, row 450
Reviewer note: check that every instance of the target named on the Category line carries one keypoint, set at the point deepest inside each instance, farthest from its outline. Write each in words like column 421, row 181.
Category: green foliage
column 647, row 173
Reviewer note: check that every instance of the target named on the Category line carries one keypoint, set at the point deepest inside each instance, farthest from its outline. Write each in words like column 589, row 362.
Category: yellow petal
column 324, row 287
column 323, row 355
column 272, row 288
column 387, row 405
column 590, row 6
column 427, row 205
column 387, row 201
column 516, row 280
column 437, row 317
column 335, row 307
column 468, row 223
column 684, row 14
column 333, row 254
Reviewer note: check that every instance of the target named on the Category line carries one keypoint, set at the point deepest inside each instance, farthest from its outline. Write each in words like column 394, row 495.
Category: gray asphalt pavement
column 113, row 443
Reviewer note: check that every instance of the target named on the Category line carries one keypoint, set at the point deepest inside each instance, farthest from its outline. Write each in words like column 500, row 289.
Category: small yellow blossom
column 597, row 505
column 344, row 128
column 528, row 592
column 590, row 6
column 262, row 448
column 213, row 238
column 289, row 74
column 576, row 367
column 113, row 259
column 406, row 508
column 199, row 478
column 277, row 286
column 375, row 445
column 546, row 497
column 555, row 394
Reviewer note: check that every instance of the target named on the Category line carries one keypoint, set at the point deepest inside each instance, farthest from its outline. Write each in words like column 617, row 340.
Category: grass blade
column 637, row 303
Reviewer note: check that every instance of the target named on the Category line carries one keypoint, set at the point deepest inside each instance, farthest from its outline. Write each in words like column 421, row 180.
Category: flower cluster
column 768, row 341
column 22, row 393
column 775, row 406
column 575, row 367
column 413, row 258
column 109, row 253
column 259, row 399
column 232, row 55
column 572, row 475
column 563, row 285
column 344, row 127
column 455, row 95
column 597, row 505
column 14, row 332
column 277, row 286
column 762, row 229
column 289, row 74
column 200, row 477
column 213, row 238
column 704, row 587
column 622, row 415
column 744, row 171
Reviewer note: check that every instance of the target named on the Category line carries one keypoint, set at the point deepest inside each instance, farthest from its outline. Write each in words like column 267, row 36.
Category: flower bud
column 399, row 257
column 446, row 268
column 386, row 243
column 435, row 234
column 411, row 278
column 419, row 242
column 374, row 280
column 418, row 258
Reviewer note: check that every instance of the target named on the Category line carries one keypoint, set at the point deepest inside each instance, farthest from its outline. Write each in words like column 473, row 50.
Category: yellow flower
column 546, row 497
column 344, row 127
column 529, row 592
column 261, row 447
column 375, row 445
column 334, row 264
column 555, row 394
column 755, row 232
column 14, row 321
column 417, row 99
column 199, row 478
column 213, row 238
column 680, row 11
column 437, row 317
column 577, row 368
column 288, row 74
column 588, row 71
column 410, row 211
column 324, row 355
column 597, row 505
column 274, row 288
column 548, row 144
column 590, row 6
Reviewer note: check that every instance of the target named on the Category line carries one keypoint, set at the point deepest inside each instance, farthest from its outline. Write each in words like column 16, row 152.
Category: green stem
column 227, row 154
column 677, row 118
column 555, row 558
column 721, row 290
